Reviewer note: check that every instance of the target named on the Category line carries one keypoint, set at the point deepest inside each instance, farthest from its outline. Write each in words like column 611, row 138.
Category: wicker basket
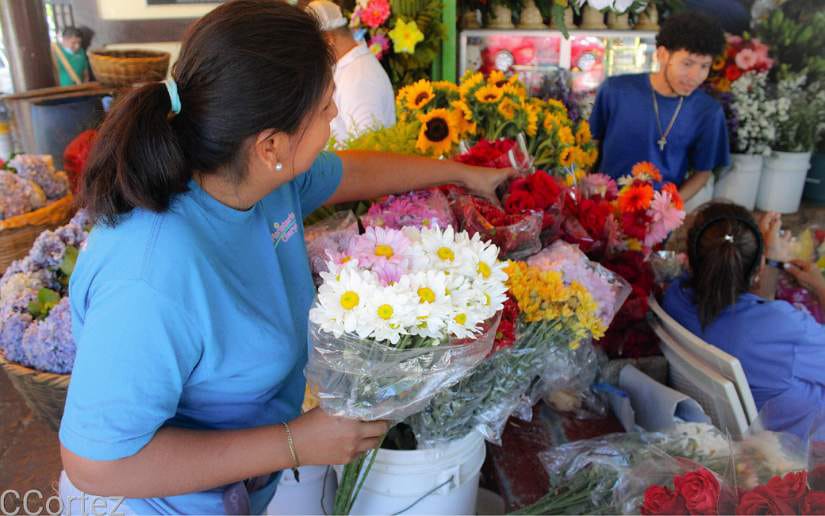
column 128, row 67
column 17, row 234
column 44, row 393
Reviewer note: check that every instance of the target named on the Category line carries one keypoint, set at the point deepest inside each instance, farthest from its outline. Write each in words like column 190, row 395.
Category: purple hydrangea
column 18, row 290
column 47, row 251
column 12, row 327
column 48, row 345
column 82, row 219
column 18, row 195
column 71, row 234
column 40, row 169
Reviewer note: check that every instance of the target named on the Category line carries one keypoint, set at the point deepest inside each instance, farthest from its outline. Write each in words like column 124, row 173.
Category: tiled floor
column 29, row 451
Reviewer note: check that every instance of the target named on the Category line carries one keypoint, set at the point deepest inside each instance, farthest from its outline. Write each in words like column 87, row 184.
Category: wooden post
column 26, row 36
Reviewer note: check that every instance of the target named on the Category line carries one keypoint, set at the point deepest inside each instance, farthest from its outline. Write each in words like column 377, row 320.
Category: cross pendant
column 661, row 143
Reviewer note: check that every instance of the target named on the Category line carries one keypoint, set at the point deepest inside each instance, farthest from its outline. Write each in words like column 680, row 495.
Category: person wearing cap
column 363, row 92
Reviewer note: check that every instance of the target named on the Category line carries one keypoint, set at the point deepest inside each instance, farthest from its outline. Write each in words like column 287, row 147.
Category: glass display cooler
column 551, row 65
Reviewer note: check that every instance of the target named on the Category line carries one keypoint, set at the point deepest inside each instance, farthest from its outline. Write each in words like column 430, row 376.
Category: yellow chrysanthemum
column 566, row 136
column 566, row 157
column 508, row 108
column 467, row 85
column 583, row 135
column 419, row 94
column 438, row 132
column 489, row 94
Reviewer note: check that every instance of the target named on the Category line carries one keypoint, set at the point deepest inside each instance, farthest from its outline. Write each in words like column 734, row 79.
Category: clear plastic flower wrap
column 518, row 236
column 584, row 474
column 331, row 235
column 421, row 208
column 608, row 289
column 365, row 379
column 567, row 377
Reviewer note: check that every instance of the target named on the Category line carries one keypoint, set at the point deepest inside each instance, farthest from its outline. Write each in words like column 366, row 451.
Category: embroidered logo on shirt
column 285, row 230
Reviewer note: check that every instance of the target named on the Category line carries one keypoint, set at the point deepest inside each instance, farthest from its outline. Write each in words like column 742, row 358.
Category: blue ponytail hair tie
column 174, row 97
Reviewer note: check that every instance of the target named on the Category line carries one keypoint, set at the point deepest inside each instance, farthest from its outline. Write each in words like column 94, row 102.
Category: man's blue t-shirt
column 781, row 349
column 194, row 318
column 624, row 122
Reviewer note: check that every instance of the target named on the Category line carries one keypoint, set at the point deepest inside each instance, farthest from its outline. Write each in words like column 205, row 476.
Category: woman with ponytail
column 727, row 300
column 190, row 301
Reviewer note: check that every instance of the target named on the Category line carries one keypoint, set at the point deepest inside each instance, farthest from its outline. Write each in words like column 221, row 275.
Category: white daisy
column 390, row 313
column 433, row 303
column 342, row 302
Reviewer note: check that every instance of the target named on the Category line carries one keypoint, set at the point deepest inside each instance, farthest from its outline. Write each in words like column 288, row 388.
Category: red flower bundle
column 695, row 492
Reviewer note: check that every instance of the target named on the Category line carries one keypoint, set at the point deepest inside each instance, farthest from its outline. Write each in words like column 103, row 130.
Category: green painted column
column 449, row 55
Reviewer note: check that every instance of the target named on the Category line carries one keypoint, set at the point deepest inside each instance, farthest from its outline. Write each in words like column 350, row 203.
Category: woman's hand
column 483, row 181
column 809, row 276
column 322, row 439
column 778, row 244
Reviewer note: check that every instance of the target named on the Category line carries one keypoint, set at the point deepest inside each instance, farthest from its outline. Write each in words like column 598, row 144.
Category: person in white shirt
column 363, row 92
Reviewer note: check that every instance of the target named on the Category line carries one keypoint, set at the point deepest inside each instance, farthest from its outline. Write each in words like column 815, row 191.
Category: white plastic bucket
column 702, row 196
column 442, row 480
column 740, row 184
column 304, row 497
column 783, row 179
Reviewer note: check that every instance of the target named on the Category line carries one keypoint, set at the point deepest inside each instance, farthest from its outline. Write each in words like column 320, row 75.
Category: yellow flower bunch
column 543, row 296
column 437, row 111
column 499, row 105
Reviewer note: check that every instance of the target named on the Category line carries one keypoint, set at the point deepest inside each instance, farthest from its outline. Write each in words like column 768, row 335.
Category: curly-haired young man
column 663, row 117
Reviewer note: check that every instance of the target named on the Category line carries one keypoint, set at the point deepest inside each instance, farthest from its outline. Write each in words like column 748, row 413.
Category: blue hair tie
column 174, row 97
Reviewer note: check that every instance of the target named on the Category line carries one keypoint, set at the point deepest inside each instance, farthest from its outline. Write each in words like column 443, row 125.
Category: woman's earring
column 279, row 166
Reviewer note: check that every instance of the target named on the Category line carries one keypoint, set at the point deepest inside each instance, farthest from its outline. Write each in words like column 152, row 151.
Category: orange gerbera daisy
column 646, row 170
column 635, row 198
column 675, row 197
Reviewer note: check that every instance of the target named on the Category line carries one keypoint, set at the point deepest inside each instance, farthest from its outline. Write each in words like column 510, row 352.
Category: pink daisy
column 375, row 13
column 387, row 252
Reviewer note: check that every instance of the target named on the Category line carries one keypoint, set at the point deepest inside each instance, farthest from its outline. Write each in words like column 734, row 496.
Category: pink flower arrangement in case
column 421, row 208
column 373, row 13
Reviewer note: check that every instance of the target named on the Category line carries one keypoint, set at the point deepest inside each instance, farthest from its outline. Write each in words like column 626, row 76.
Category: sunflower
column 581, row 158
column 566, row 157
column 557, row 106
column 646, row 170
column 470, row 82
column 438, row 132
column 566, row 136
column 532, row 119
column 447, row 86
column 464, row 117
column 508, row 108
column 419, row 94
column 583, row 135
column 497, row 79
column 635, row 198
column 592, row 156
column 550, row 123
column 517, row 90
column 489, row 94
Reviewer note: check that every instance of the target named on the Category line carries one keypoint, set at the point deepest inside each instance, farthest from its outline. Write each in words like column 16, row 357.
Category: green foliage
column 46, row 299
column 405, row 68
column 798, row 44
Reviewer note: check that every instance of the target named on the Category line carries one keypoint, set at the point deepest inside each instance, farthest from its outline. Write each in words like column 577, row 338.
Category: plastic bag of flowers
column 517, row 235
column 421, row 208
column 554, row 309
column 35, row 322
column 331, row 235
column 583, row 474
column 403, row 315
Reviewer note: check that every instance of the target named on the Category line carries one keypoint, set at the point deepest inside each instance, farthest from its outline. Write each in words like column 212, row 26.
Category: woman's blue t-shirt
column 781, row 349
column 194, row 318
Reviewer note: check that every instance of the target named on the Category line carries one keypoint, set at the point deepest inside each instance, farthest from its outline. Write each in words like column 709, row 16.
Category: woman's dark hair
column 247, row 66
column 692, row 31
column 72, row 32
column 725, row 251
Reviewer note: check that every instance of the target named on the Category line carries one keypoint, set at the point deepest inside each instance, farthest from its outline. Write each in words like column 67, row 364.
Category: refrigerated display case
column 551, row 65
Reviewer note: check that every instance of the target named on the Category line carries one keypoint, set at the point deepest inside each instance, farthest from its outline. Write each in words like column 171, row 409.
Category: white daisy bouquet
column 401, row 315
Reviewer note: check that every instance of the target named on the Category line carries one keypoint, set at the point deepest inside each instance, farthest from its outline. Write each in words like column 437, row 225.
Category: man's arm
column 693, row 184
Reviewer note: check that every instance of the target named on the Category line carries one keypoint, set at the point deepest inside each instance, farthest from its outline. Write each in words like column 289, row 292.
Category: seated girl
column 727, row 300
